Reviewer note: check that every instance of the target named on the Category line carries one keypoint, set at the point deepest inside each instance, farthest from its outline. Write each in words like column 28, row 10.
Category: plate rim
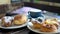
column 14, row 27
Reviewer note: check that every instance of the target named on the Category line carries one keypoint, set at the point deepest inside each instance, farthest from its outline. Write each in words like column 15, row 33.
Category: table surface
column 23, row 30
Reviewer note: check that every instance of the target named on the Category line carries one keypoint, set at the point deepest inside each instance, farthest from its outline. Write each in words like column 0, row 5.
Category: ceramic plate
column 13, row 26
column 29, row 25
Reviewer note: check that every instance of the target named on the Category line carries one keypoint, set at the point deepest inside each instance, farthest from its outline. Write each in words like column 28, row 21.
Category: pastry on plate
column 36, row 25
column 20, row 19
column 6, row 21
column 47, row 26
column 52, row 21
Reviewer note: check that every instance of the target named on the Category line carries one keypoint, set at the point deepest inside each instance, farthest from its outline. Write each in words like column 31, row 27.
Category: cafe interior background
column 44, row 5
column 50, row 7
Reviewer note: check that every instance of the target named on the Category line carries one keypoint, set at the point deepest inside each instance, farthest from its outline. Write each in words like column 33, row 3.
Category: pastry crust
column 45, row 27
column 49, row 28
column 52, row 21
column 20, row 19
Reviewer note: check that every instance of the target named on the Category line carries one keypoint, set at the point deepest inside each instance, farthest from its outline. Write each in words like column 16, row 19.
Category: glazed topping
column 17, row 17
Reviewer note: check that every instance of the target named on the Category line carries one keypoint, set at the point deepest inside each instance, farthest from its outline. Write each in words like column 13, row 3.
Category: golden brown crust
column 20, row 19
column 52, row 21
column 46, row 27
column 49, row 28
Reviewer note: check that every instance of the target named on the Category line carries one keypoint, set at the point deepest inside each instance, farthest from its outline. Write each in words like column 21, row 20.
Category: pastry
column 20, row 19
column 47, row 26
column 52, row 21
column 36, row 25
column 6, row 21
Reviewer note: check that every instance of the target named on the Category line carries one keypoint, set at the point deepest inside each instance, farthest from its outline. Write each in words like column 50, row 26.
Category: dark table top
column 23, row 30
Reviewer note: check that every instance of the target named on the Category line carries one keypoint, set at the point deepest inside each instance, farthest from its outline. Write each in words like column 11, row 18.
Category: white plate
column 37, row 31
column 14, row 27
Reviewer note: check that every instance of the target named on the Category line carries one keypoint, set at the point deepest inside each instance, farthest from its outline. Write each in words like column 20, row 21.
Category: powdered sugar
column 7, row 19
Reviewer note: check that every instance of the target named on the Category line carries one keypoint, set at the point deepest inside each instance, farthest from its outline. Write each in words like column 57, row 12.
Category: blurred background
column 11, row 5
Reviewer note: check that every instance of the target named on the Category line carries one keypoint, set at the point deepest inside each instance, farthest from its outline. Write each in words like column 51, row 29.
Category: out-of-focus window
column 4, row 2
column 26, row 0
column 15, row 1
column 15, row 4
column 48, row 2
column 36, row 0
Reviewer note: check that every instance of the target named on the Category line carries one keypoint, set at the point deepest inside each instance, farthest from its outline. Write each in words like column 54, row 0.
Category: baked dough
column 47, row 26
column 20, row 19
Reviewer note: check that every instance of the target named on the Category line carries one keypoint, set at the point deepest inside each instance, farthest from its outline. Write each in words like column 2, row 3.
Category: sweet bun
column 52, row 21
column 6, row 21
column 47, row 26
column 20, row 19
